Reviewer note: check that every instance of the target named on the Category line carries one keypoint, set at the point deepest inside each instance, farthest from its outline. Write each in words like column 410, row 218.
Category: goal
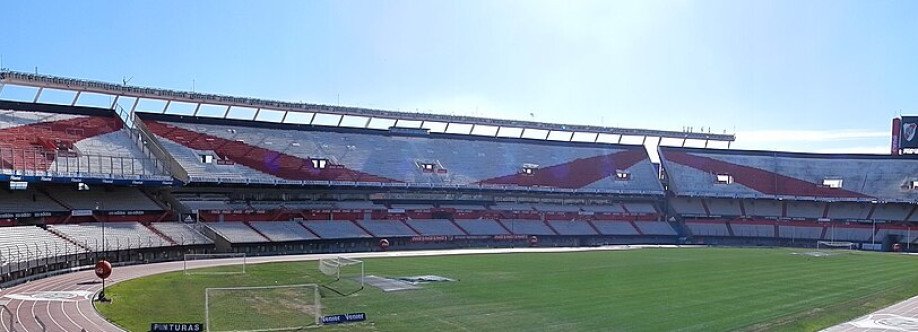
column 835, row 245
column 347, row 274
column 268, row 308
column 194, row 263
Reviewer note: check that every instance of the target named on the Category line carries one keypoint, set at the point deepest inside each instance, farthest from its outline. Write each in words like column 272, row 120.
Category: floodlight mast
column 527, row 129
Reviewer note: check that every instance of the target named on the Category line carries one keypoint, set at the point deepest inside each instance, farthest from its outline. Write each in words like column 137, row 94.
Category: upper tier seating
column 280, row 231
column 118, row 235
column 508, row 206
column 481, row 227
column 434, row 227
column 769, row 174
column 527, row 227
column 236, row 232
column 615, row 227
column 386, row 227
column 763, row 208
column 638, row 207
column 335, row 229
column 688, row 206
column 609, row 208
column 51, row 144
column 791, row 231
column 467, row 207
column 708, row 229
column 752, row 230
column 655, row 228
column 842, row 210
column 556, row 208
column 27, row 201
column 808, row 210
column 115, row 198
column 26, row 243
column 891, row 212
column 182, row 234
column 260, row 155
column 724, row 207
column 572, row 227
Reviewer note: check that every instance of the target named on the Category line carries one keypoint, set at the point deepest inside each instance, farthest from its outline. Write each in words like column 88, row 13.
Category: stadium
column 232, row 213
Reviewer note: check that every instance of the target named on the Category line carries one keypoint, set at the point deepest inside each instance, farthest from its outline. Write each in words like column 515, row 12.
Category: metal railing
column 37, row 162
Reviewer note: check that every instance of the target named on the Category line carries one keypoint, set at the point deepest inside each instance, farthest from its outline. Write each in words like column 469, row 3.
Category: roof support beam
column 37, row 95
column 114, row 102
column 75, row 98
column 134, row 108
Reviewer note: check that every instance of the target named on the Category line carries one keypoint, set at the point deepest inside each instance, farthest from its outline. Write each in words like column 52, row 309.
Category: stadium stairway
column 675, row 220
column 552, row 228
column 729, row 228
column 595, row 229
column 268, row 239
column 636, row 228
column 365, row 230
column 45, row 192
column 76, row 243
column 452, row 221
column 160, row 234
column 154, row 198
column 410, row 227
column 309, row 230
column 503, row 226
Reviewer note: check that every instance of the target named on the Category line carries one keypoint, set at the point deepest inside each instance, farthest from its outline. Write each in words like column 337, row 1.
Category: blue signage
column 345, row 318
column 176, row 327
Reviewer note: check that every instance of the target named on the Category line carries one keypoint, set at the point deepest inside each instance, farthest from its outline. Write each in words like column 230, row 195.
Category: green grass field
column 713, row 289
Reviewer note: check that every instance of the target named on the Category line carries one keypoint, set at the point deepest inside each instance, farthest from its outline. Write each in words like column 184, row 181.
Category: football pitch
column 698, row 289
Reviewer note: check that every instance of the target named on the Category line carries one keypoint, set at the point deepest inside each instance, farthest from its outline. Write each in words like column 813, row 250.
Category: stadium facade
column 166, row 183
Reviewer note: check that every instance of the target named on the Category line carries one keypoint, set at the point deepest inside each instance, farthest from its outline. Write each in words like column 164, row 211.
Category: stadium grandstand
column 220, row 174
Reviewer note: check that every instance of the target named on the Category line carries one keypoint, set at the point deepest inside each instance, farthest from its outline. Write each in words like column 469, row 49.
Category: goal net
column 346, row 274
column 835, row 245
column 269, row 308
column 196, row 263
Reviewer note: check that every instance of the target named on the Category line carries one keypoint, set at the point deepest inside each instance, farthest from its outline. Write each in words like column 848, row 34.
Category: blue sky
column 822, row 76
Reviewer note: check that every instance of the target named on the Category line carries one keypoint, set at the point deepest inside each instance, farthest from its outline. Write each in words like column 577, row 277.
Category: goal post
column 836, row 245
column 348, row 274
column 193, row 263
column 266, row 308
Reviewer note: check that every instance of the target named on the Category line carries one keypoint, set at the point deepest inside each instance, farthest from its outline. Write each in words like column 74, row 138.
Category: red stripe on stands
column 264, row 160
column 574, row 174
column 31, row 144
column 757, row 179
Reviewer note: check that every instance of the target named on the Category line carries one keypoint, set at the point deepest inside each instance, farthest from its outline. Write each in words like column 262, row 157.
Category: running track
column 19, row 314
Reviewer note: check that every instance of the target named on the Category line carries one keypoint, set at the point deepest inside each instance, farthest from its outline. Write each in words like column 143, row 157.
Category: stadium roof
column 227, row 103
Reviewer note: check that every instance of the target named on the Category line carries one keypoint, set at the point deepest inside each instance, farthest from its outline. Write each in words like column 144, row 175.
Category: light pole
column 102, row 274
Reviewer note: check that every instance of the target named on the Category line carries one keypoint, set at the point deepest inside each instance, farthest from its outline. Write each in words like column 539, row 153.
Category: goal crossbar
column 835, row 245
